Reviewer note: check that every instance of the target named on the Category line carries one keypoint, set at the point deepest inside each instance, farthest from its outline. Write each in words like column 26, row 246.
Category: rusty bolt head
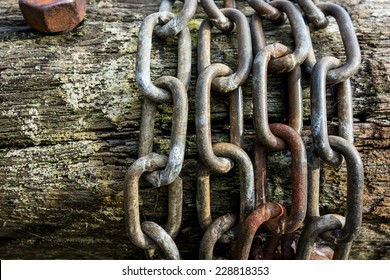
column 52, row 16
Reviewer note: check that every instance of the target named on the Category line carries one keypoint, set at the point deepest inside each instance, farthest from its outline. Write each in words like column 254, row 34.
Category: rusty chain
column 256, row 214
column 166, row 89
column 219, row 157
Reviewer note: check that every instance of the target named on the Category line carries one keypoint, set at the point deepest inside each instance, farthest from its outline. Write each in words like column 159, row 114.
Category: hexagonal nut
column 52, row 16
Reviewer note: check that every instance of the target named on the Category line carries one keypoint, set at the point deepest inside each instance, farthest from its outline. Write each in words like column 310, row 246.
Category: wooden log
column 69, row 124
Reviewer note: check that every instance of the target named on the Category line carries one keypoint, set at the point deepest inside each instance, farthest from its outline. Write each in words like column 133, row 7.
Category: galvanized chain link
column 254, row 210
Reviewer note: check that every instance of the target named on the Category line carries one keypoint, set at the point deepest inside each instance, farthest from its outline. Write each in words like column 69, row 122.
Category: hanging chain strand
column 219, row 157
column 166, row 89
column 256, row 215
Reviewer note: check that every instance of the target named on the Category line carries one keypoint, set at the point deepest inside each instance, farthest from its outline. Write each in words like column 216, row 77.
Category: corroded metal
column 294, row 88
column 355, row 187
column 251, row 224
column 202, row 119
column 219, row 157
column 260, row 105
column 236, row 117
column 175, row 25
column 254, row 209
column 297, row 213
column 267, row 11
column 311, row 232
column 236, row 109
column 313, row 14
column 341, row 231
column 289, row 62
column 350, row 42
column 313, row 184
column 178, row 131
column 216, row 16
column 279, row 223
column 158, row 169
column 344, row 110
column 143, row 77
column 52, row 16
column 287, row 250
column 162, row 239
column 318, row 111
column 247, row 189
column 144, row 164
column 213, row 233
column 244, row 45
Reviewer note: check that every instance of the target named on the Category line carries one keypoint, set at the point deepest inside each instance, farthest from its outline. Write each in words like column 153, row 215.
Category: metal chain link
column 178, row 23
column 350, row 42
column 255, row 212
column 313, row 14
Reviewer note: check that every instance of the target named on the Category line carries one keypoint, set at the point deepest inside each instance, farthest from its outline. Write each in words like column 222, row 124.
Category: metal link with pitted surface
column 256, row 59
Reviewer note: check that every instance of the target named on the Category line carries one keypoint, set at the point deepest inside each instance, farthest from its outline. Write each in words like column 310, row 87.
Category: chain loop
column 318, row 111
column 178, row 131
column 216, row 16
column 144, row 164
column 235, row 96
column 247, row 189
column 344, row 235
column 313, row 230
column 298, row 209
column 245, row 56
column 178, row 23
column 355, row 186
column 260, row 110
column 202, row 121
column 350, row 42
column 143, row 77
column 251, row 224
column 270, row 213
column 313, row 14
column 295, row 118
column 301, row 39
column 267, row 11
column 213, row 233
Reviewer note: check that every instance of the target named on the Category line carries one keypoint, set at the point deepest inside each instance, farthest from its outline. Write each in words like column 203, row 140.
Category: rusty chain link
column 256, row 214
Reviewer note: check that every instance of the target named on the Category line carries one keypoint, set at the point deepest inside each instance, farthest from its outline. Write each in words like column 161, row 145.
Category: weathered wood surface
column 69, row 120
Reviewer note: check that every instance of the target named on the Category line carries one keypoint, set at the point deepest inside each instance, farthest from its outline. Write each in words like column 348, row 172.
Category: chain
column 338, row 230
column 166, row 89
column 256, row 215
column 219, row 157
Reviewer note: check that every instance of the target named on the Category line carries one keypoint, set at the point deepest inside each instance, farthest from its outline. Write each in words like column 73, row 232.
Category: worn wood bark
column 69, row 120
